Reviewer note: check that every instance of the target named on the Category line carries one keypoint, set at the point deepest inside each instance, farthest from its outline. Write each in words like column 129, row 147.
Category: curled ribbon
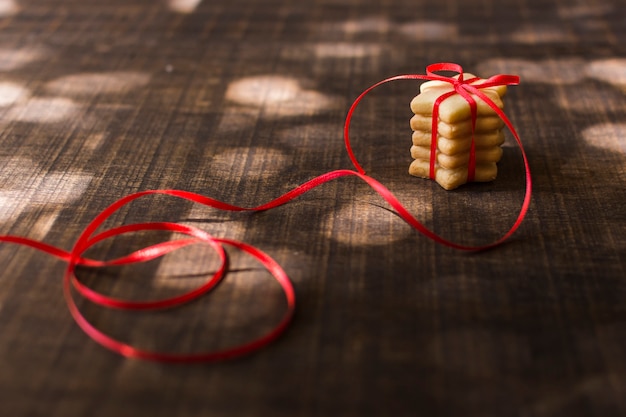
column 89, row 237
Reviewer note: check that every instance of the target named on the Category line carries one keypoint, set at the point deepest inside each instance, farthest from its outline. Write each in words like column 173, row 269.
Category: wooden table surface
column 244, row 100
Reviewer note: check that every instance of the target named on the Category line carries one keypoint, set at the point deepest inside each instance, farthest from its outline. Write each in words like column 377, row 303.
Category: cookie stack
column 454, row 135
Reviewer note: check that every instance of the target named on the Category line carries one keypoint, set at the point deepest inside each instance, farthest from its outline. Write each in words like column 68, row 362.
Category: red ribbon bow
column 89, row 237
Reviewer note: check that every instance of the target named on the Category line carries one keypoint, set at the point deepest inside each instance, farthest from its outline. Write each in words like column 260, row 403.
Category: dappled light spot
column 312, row 135
column 12, row 59
column 417, row 30
column 183, row 6
column 428, row 30
column 595, row 9
column 612, row 71
column 186, row 268
column 27, row 189
column 609, row 136
column 359, row 223
column 193, row 265
column 43, row 224
column 43, row 110
column 586, row 98
column 88, row 84
column 8, row 7
column 256, row 91
column 346, row 50
column 331, row 50
column 356, row 26
column 541, row 34
column 369, row 24
column 94, row 140
column 551, row 71
column 277, row 95
column 11, row 93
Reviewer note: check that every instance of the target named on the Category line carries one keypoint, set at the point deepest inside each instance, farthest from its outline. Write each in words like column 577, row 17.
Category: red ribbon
column 89, row 237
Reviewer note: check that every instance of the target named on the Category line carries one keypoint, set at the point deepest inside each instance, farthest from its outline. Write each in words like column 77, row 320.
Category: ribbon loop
column 444, row 66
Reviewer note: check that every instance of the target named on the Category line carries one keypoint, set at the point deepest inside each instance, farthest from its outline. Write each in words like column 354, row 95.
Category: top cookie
column 455, row 108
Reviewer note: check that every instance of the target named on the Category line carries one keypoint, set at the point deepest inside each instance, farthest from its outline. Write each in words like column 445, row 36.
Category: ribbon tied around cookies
column 465, row 88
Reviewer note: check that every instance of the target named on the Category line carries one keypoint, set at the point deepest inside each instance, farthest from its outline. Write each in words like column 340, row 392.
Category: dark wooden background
column 243, row 100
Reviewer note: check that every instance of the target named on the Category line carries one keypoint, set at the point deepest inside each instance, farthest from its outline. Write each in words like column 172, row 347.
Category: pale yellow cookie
column 453, row 178
column 485, row 124
column 500, row 89
column 452, row 146
column 455, row 108
column 485, row 155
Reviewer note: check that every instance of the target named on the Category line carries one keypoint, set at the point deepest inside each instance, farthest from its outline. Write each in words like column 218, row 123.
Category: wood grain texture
column 244, row 100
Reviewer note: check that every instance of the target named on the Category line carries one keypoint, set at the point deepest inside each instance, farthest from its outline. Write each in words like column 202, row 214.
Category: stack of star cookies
column 454, row 135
